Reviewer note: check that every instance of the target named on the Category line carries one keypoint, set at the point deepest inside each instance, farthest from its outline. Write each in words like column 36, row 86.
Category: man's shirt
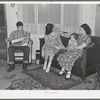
column 18, row 35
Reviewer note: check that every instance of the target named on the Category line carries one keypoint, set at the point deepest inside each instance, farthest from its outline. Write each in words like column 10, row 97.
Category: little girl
column 52, row 40
column 72, row 41
column 71, row 45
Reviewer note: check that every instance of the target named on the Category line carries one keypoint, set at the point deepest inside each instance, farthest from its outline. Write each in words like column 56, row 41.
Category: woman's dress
column 68, row 58
column 50, row 42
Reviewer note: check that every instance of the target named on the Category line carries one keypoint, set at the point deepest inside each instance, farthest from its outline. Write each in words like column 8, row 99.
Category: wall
column 97, row 22
column 87, row 15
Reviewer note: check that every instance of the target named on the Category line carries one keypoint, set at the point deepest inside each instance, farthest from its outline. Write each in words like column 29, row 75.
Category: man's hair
column 19, row 23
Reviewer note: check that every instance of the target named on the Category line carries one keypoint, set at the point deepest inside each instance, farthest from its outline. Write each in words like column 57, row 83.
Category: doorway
column 3, row 32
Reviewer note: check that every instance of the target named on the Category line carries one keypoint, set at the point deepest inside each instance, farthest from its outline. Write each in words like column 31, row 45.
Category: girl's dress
column 71, row 44
column 68, row 58
column 50, row 42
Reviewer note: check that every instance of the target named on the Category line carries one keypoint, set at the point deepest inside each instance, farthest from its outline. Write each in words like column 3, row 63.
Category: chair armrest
column 8, row 42
column 30, row 43
column 30, row 40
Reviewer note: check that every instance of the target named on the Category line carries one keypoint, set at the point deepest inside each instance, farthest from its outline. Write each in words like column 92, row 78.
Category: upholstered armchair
column 19, row 54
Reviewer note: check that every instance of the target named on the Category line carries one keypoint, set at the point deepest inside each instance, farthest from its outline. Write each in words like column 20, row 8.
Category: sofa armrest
column 91, row 59
column 92, row 55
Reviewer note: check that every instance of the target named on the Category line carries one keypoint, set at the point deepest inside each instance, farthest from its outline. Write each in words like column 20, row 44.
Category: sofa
column 85, row 65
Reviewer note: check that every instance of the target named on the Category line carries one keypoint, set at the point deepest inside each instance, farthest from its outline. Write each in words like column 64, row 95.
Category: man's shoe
column 11, row 68
column 24, row 66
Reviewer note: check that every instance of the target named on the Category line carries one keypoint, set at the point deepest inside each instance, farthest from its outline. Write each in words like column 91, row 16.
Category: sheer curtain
column 28, row 18
column 48, row 13
column 36, row 16
column 26, row 11
column 71, row 17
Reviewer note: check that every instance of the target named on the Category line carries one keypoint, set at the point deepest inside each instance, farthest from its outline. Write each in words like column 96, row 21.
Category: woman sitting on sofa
column 67, row 59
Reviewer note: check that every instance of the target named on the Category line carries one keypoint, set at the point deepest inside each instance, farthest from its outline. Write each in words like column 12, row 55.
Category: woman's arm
column 62, row 33
column 85, row 41
column 81, row 46
column 65, row 34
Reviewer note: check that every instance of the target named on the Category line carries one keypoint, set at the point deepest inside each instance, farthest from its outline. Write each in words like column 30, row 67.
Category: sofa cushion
column 64, row 41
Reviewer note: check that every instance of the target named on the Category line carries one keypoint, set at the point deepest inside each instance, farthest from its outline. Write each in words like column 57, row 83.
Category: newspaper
column 20, row 42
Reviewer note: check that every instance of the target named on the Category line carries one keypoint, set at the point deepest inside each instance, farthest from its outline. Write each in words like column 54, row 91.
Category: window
column 49, row 13
column 36, row 16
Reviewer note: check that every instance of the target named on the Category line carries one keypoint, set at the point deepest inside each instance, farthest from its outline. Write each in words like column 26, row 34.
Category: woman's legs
column 49, row 64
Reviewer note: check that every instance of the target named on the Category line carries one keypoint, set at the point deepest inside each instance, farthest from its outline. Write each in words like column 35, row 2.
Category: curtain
column 48, row 13
column 36, row 17
column 28, row 13
column 71, row 17
column 27, row 16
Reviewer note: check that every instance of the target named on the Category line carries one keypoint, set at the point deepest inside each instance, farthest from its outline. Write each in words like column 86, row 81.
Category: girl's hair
column 86, row 28
column 49, row 28
column 75, row 35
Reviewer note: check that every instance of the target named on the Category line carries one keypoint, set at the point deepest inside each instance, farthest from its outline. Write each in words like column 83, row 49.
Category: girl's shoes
column 68, row 76
column 47, row 70
column 44, row 67
column 61, row 73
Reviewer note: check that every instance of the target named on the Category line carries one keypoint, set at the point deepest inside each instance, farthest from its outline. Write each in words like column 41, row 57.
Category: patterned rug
column 51, row 79
column 26, row 84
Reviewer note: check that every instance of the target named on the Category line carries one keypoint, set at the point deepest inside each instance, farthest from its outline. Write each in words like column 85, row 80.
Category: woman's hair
column 19, row 23
column 49, row 28
column 75, row 35
column 86, row 28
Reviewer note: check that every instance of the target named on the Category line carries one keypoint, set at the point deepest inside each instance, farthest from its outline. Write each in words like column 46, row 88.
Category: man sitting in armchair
column 19, row 41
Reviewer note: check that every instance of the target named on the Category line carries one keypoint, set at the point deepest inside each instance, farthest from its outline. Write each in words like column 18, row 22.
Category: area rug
column 25, row 84
column 51, row 79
